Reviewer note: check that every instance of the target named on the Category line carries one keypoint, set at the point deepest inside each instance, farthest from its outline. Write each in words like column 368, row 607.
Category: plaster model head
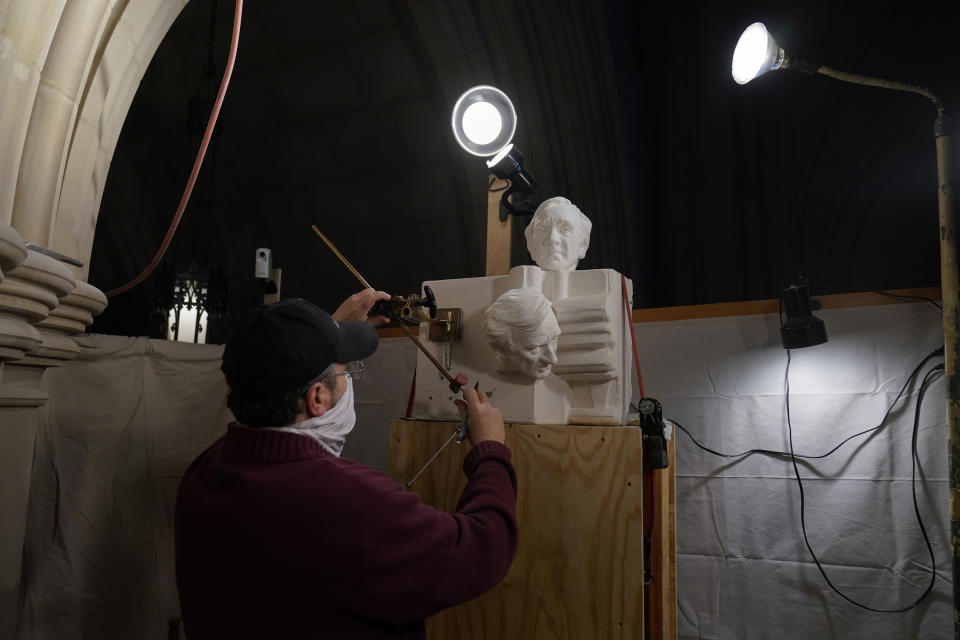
column 521, row 327
column 558, row 235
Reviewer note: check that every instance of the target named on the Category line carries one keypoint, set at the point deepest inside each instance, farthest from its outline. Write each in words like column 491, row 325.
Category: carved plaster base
column 592, row 380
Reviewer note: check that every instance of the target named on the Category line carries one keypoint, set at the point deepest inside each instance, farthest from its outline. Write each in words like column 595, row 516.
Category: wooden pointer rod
column 455, row 383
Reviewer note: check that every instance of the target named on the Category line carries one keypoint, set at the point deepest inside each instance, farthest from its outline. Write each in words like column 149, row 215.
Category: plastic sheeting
column 743, row 569
column 129, row 414
column 124, row 420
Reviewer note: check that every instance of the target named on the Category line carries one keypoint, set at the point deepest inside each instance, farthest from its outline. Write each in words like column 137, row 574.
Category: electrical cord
column 490, row 187
column 788, row 454
column 188, row 189
column 913, row 478
column 913, row 455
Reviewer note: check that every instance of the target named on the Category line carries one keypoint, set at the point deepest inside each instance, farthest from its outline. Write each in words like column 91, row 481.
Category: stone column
column 41, row 303
column 17, row 337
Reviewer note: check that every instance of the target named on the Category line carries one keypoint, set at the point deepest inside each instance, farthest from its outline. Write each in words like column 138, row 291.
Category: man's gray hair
column 280, row 409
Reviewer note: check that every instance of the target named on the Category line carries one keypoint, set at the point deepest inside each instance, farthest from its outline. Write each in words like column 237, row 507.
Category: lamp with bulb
column 756, row 53
column 484, row 122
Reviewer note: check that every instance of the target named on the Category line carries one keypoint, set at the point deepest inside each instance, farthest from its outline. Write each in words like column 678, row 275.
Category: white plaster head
column 522, row 329
column 558, row 235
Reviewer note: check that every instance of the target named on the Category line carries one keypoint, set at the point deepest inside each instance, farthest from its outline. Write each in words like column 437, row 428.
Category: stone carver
column 522, row 330
column 558, row 235
column 272, row 514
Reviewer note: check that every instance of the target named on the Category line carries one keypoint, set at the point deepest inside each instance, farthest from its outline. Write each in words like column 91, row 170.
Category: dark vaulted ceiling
column 700, row 190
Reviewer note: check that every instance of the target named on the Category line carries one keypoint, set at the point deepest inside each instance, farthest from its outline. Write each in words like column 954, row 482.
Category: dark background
column 700, row 190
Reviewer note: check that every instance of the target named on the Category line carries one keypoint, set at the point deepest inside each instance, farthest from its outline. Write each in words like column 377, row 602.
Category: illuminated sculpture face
column 558, row 235
column 522, row 330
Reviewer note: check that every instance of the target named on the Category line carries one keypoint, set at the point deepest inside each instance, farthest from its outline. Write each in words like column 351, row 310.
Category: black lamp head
column 508, row 165
column 801, row 328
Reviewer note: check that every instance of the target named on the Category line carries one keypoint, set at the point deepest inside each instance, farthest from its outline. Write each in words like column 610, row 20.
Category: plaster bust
column 558, row 235
column 522, row 329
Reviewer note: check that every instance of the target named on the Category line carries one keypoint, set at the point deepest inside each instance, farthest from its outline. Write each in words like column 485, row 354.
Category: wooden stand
column 498, row 233
column 578, row 573
column 660, row 597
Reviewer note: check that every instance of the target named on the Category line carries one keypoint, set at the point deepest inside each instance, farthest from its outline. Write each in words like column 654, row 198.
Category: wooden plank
column 578, row 573
column 753, row 307
column 665, row 481
column 660, row 596
column 397, row 332
column 498, row 233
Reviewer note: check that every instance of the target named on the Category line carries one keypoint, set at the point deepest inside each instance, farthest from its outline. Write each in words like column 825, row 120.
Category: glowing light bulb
column 756, row 53
column 483, row 120
column 482, row 123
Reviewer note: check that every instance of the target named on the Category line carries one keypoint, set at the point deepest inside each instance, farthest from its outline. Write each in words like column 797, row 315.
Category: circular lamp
column 484, row 120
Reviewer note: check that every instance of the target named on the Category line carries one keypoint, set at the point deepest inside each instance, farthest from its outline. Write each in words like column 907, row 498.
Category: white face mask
column 332, row 428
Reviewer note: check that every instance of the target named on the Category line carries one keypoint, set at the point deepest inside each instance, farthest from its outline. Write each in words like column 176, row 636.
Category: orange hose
column 633, row 339
column 231, row 58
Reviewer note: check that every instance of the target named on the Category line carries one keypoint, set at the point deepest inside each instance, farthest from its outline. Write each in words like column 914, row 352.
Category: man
column 558, row 235
column 279, row 537
column 522, row 330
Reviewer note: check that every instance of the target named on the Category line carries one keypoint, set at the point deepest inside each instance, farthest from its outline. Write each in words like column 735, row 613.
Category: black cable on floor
column 913, row 453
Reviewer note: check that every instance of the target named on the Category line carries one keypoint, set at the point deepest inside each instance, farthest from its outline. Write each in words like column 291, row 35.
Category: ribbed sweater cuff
column 482, row 451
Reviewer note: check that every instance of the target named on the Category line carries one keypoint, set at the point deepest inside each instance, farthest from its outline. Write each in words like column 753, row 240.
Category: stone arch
column 68, row 74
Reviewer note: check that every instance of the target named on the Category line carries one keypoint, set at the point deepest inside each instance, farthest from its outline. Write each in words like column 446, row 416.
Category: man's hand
column 484, row 421
column 357, row 306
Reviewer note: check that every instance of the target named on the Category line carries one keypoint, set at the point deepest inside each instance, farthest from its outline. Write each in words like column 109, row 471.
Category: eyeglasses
column 354, row 370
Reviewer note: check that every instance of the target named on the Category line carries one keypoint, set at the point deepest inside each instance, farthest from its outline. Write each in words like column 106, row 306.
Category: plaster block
column 590, row 383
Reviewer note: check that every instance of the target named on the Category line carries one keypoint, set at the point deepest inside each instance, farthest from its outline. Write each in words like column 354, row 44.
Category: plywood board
column 578, row 573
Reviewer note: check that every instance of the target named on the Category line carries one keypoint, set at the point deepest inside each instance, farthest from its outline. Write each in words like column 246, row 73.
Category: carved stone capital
column 17, row 336
column 76, row 310
column 28, row 294
column 12, row 249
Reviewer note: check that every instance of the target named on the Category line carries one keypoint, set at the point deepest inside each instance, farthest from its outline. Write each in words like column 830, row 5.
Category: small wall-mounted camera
column 264, row 263
column 263, row 270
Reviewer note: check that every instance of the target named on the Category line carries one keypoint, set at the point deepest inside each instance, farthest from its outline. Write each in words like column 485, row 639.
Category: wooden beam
column 753, row 307
column 665, row 495
column 498, row 233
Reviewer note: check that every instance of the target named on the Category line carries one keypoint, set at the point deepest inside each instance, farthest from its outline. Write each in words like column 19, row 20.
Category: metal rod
column 434, row 456
column 950, row 292
column 366, row 285
column 53, row 254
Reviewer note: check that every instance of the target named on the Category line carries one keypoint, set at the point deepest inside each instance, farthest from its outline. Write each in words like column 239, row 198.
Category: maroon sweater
column 277, row 538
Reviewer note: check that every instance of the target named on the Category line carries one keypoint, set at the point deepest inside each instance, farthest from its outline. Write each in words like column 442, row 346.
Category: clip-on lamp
column 484, row 122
